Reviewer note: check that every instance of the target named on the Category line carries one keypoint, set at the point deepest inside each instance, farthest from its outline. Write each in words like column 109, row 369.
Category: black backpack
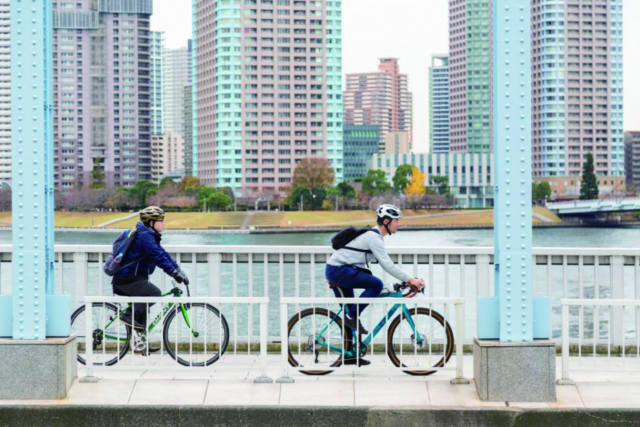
column 346, row 236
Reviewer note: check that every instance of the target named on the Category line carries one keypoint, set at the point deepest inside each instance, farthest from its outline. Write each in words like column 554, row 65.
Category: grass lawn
column 199, row 220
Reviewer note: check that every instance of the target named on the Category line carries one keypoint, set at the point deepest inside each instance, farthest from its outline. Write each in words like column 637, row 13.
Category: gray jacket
column 373, row 242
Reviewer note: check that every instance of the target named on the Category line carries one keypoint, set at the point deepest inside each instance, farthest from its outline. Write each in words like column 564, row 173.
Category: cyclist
column 133, row 279
column 347, row 267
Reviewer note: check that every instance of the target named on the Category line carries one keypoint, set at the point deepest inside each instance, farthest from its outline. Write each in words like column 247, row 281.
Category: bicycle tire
column 347, row 340
column 81, row 332
column 440, row 320
column 223, row 336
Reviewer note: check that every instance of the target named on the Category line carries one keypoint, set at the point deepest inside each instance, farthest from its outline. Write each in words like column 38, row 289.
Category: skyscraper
column 177, row 71
column 439, row 104
column 381, row 98
column 269, row 91
column 360, row 143
column 158, row 101
column 102, row 91
column 168, row 154
column 469, row 63
column 577, row 91
column 632, row 159
column 5, row 93
column 188, row 130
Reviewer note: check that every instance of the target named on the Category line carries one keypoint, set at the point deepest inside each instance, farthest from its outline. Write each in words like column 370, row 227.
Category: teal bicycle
column 417, row 337
column 194, row 334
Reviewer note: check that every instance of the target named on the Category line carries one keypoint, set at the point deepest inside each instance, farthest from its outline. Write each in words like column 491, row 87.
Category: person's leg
column 351, row 278
column 140, row 288
column 337, row 276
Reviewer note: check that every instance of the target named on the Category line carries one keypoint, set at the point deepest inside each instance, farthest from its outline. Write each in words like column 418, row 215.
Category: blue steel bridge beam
column 32, row 166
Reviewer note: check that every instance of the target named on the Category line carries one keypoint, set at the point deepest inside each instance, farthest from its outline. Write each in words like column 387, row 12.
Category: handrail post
column 88, row 345
column 284, row 346
column 565, row 380
column 460, row 379
column 264, row 333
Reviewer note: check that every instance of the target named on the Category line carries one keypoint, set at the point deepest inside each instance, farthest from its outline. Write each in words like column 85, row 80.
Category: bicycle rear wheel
column 310, row 347
column 203, row 342
column 109, row 344
column 434, row 348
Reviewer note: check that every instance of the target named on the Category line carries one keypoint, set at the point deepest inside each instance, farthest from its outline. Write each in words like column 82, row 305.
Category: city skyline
column 406, row 23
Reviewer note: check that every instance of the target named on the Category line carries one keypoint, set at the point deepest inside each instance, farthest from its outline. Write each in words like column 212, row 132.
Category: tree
column 219, row 201
column 203, row 194
column 189, row 185
column 299, row 195
column 441, row 182
column 540, row 192
column 402, row 178
column 140, row 191
column 375, row 183
column 166, row 182
column 589, row 185
column 119, row 199
column 415, row 190
column 97, row 175
column 313, row 173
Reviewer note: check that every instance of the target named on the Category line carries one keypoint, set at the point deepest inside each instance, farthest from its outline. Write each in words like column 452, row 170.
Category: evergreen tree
column 97, row 175
column 589, row 185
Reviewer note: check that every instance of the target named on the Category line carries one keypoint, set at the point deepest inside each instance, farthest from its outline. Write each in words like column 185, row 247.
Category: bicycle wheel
column 436, row 344
column 110, row 344
column 305, row 349
column 203, row 343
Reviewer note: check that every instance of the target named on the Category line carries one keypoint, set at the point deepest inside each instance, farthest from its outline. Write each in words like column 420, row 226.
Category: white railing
column 298, row 271
column 319, row 344
column 600, row 334
column 213, row 330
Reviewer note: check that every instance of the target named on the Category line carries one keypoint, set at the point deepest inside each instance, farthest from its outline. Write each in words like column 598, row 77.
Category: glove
column 179, row 276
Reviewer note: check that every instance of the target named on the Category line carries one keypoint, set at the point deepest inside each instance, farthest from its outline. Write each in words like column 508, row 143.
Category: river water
column 543, row 237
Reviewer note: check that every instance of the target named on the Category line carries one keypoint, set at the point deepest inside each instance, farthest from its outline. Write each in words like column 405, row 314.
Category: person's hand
column 416, row 285
column 180, row 277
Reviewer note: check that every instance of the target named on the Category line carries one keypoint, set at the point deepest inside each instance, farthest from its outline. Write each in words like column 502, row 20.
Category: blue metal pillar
column 509, row 316
column 32, row 172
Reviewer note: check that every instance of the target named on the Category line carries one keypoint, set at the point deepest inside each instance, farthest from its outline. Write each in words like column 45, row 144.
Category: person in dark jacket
column 144, row 255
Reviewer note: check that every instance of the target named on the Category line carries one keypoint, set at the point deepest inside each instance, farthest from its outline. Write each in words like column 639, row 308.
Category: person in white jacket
column 348, row 269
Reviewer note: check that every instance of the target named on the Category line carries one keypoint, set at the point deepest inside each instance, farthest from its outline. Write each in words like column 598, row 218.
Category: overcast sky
column 411, row 30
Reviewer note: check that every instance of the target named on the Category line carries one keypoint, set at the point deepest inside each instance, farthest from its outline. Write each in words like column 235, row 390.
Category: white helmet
column 388, row 211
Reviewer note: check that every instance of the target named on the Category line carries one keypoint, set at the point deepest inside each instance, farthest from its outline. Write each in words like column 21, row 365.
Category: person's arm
column 376, row 245
column 156, row 254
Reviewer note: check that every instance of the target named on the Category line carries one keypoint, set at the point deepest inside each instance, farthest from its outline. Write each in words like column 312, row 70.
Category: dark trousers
column 349, row 278
column 136, row 287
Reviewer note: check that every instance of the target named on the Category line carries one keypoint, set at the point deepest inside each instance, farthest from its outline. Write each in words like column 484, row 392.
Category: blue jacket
column 146, row 243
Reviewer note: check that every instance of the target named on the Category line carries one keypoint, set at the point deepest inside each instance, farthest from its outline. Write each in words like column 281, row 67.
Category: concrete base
column 37, row 369
column 515, row 372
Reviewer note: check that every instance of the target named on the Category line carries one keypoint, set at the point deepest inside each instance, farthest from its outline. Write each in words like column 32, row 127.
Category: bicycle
column 191, row 334
column 324, row 342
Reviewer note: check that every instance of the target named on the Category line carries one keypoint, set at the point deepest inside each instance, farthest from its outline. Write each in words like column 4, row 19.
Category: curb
column 223, row 416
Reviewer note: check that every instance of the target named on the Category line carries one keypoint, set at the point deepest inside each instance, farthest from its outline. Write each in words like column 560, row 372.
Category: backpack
column 121, row 245
column 346, row 236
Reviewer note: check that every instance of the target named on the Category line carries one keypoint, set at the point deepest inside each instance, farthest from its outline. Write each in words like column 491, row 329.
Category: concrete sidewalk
column 230, row 382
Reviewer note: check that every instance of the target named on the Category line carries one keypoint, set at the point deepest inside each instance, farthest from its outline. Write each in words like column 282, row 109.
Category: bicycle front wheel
column 197, row 339
column 110, row 338
column 424, row 341
column 317, row 342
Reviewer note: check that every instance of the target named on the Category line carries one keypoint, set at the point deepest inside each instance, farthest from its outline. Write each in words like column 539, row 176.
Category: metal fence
column 298, row 271
column 194, row 332
column 414, row 334
column 599, row 334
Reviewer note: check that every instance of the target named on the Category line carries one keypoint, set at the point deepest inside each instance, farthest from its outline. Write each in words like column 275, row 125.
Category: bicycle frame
column 174, row 292
column 370, row 337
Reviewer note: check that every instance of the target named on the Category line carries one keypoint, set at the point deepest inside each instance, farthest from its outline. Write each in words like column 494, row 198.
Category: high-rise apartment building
column 269, row 91
column 632, row 159
column 177, row 72
column 439, row 104
column 5, row 93
column 167, row 155
column 381, row 98
column 188, row 130
column 360, row 143
column 158, row 101
column 577, row 90
column 469, row 71
column 102, row 91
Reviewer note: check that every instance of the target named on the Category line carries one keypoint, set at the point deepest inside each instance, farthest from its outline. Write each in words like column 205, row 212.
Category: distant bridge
column 594, row 207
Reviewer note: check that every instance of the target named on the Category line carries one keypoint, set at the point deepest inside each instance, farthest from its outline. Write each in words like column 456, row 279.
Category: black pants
column 136, row 287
